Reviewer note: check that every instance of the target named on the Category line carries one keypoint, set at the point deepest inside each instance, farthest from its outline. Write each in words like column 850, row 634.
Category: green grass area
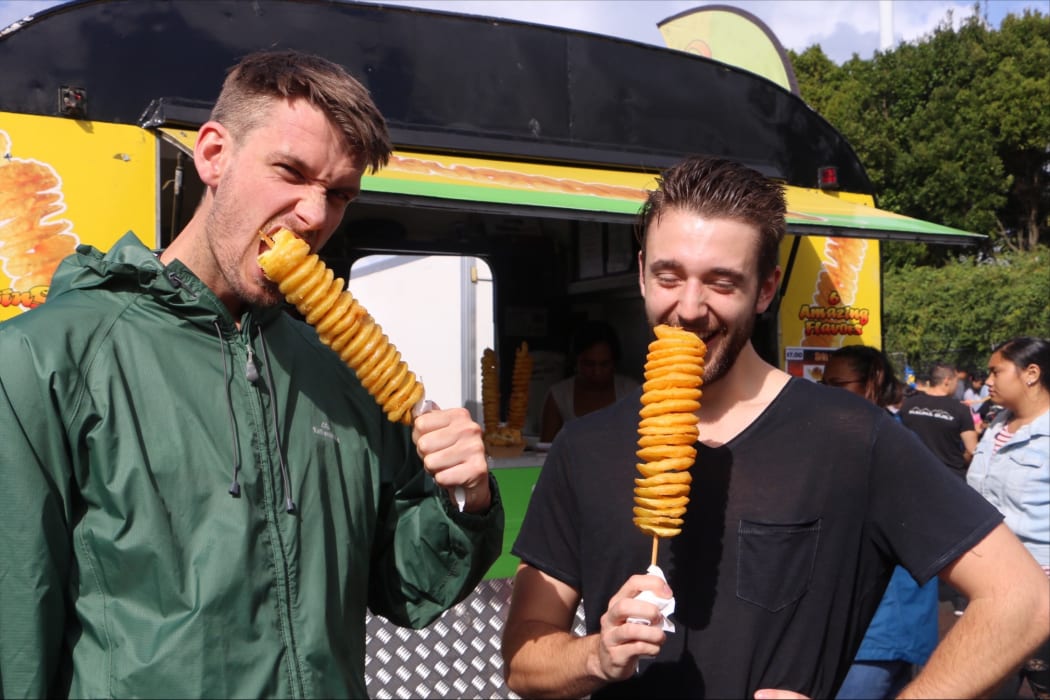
column 515, row 486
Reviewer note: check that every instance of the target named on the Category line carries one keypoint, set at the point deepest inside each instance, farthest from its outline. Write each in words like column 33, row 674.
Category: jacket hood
column 131, row 266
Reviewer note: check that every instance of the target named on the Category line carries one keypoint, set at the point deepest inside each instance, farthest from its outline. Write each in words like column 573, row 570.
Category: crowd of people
column 1011, row 471
column 202, row 500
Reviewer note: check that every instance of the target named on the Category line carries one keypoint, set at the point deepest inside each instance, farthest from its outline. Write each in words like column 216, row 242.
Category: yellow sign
column 732, row 36
column 64, row 183
column 832, row 299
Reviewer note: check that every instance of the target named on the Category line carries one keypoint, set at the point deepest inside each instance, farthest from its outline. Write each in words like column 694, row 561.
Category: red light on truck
column 828, row 178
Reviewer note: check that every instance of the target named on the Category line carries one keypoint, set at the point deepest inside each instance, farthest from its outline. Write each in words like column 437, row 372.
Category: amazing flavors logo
column 33, row 236
column 832, row 311
column 833, row 319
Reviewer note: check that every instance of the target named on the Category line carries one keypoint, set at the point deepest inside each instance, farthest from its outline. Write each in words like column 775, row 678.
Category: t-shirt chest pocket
column 1021, row 473
column 775, row 561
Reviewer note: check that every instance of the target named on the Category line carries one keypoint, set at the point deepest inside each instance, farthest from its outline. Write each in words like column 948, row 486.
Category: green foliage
column 957, row 312
column 953, row 128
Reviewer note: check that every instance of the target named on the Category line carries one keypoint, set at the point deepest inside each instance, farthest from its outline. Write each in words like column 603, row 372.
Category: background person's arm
column 1005, row 620
column 969, row 441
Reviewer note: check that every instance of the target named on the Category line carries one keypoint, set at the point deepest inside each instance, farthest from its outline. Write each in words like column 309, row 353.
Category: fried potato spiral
column 342, row 324
column 518, row 405
column 489, row 391
column 667, row 431
column 509, row 434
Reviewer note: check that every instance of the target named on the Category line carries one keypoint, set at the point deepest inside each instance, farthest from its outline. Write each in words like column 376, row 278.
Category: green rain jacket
column 129, row 404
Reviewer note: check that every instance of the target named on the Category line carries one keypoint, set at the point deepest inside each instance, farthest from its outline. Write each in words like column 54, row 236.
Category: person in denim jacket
column 1011, row 467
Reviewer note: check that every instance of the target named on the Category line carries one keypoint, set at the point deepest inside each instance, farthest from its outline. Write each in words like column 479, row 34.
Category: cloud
column 845, row 41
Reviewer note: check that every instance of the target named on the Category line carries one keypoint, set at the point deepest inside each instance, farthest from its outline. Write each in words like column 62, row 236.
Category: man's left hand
column 449, row 443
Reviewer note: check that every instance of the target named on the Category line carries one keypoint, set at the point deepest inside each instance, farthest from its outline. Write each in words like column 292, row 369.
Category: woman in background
column 1011, row 468
column 596, row 352
column 903, row 632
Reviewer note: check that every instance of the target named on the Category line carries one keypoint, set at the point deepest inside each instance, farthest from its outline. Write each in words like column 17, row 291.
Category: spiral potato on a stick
column 342, row 323
column 501, row 435
column 518, row 406
column 489, row 391
column 667, row 431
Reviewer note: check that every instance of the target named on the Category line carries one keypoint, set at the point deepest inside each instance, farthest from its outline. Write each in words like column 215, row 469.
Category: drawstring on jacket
column 252, row 375
column 235, row 486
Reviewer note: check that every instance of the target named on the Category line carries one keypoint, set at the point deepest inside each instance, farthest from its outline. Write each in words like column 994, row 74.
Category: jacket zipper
column 273, row 512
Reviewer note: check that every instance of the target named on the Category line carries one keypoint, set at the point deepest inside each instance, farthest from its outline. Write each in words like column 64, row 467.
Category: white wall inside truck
column 437, row 310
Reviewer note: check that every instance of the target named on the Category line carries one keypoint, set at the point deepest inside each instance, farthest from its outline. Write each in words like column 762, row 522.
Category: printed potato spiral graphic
column 839, row 276
column 33, row 240
column 342, row 324
column 667, row 431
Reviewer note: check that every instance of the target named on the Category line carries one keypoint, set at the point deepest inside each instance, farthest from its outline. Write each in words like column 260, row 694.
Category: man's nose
column 313, row 209
column 692, row 304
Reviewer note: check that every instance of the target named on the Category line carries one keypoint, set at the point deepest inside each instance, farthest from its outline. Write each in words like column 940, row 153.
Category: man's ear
column 767, row 290
column 214, row 144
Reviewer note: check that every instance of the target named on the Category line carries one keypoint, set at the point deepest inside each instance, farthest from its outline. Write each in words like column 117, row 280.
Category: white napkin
column 665, row 605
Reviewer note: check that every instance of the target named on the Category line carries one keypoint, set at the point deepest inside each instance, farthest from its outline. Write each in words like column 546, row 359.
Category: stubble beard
column 726, row 352
column 221, row 229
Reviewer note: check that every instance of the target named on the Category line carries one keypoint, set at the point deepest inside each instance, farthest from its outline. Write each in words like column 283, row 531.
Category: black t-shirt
column 789, row 540
column 939, row 421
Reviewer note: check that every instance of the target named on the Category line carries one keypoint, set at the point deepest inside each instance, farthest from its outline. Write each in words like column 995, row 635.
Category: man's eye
column 289, row 171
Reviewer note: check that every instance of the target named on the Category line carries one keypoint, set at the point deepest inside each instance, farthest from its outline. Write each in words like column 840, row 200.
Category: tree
column 1016, row 95
column 953, row 128
column 957, row 312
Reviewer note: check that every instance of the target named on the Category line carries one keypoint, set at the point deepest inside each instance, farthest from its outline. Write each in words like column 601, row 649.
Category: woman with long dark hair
column 1011, row 467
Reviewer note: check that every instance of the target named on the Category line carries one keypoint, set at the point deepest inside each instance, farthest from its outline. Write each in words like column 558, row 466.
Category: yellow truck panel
column 64, row 183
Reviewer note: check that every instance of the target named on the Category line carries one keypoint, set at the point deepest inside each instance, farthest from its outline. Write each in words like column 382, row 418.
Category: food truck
column 525, row 151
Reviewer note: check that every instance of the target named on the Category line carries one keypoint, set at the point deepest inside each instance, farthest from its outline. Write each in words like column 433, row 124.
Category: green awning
column 542, row 189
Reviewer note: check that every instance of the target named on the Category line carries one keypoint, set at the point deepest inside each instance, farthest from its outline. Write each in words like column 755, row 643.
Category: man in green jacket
column 199, row 497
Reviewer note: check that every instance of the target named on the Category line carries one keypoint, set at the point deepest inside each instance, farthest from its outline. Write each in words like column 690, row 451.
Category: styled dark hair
column 263, row 77
column 720, row 188
column 881, row 385
column 1024, row 351
column 591, row 333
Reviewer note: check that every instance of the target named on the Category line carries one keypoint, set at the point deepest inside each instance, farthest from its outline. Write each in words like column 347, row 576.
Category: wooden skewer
column 656, row 546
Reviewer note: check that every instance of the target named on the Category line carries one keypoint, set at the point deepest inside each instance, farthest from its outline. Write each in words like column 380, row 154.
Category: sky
column 841, row 27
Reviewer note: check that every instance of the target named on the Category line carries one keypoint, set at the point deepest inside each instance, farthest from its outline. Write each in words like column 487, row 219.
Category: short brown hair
column 940, row 373
column 720, row 188
column 264, row 76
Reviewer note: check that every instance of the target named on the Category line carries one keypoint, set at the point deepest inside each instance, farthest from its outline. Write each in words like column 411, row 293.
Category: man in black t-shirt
column 803, row 499
column 944, row 424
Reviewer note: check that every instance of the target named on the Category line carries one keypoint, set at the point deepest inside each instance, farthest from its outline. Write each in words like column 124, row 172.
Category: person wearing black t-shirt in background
column 943, row 423
column 803, row 499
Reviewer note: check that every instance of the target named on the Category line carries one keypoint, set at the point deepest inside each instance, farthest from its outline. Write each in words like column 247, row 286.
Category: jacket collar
column 131, row 266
